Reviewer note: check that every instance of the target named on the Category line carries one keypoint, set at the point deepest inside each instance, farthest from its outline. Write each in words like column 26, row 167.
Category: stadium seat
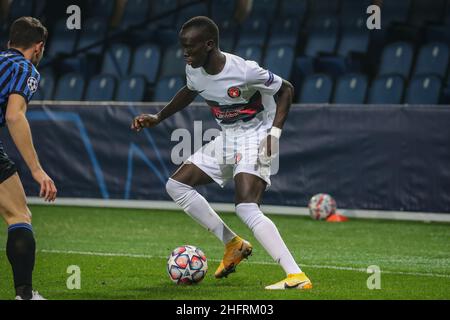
column 228, row 30
column 293, row 9
column 386, row 89
column 424, row 89
column 280, row 60
column 252, row 52
column 433, row 59
column 161, row 8
column 102, row 9
column 173, row 63
column 62, row 40
column 134, row 13
column 46, row 87
column 316, row 88
column 322, row 36
column 20, row 8
column 354, row 38
column 395, row 12
column 253, row 32
column 94, row 30
column 222, row 10
column 397, row 59
column 198, row 9
column 424, row 11
column 101, row 88
column 70, row 87
column 146, row 62
column 167, row 87
column 117, row 60
column 350, row 89
column 131, row 89
column 265, row 9
column 285, row 32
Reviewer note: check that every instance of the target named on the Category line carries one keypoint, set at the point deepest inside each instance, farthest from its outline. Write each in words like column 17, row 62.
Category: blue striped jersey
column 17, row 75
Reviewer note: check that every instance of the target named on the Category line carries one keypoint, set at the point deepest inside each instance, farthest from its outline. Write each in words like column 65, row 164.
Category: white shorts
column 232, row 152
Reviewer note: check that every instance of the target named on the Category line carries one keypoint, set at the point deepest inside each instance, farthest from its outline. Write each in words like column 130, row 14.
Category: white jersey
column 240, row 96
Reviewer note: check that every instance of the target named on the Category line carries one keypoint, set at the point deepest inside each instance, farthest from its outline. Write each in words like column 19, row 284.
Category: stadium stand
column 101, row 88
column 387, row 89
column 350, row 89
column 70, row 87
column 316, row 88
column 131, row 89
column 424, row 89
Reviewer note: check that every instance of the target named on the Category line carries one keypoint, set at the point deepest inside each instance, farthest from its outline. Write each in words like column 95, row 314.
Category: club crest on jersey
column 234, row 92
column 32, row 84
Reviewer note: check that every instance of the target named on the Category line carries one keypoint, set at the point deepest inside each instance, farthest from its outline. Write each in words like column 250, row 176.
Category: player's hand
column 48, row 189
column 268, row 150
column 145, row 121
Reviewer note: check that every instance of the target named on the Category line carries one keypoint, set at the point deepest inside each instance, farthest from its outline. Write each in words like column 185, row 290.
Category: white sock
column 199, row 209
column 268, row 236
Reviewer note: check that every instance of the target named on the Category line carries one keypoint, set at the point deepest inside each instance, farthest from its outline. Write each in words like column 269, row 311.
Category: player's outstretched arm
column 181, row 100
column 284, row 101
column 19, row 129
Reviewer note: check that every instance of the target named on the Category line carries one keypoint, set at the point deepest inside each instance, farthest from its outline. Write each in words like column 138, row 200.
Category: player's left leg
column 249, row 190
column 21, row 246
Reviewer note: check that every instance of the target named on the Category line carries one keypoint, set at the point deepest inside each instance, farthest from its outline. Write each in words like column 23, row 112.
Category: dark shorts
column 7, row 167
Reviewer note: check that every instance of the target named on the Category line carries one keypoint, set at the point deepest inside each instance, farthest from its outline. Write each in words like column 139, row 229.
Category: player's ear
column 210, row 44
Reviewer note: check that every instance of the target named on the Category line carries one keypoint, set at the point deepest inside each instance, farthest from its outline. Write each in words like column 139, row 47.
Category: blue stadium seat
column 103, row 9
column 424, row 89
column 280, row 60
column 62, row 40
column 101, row 88
column 316, row 88
column 395, row 11
column 167, row 87
column 322, row 36
column 351, row 89
column 161, row 8
column 264, row 8
column 253, row 32
column 397, row 59
column 198, row 9
column 424, row 11
column 285, row 32
column 46, row 87
column 131, row 89
column 355, row 37
column 94, row 30
column 222, row 10
column 20, row 8
column 293, row 8
column 117, row 60
column 146, row 62
column 70, row 87
column 320, row 7
column 250, row 53
column 386, row 89
column 228, row 30
column 433, row 59
column 134, row 13
column 173, row 62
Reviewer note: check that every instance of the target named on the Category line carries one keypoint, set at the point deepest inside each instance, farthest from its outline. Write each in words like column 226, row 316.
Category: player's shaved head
column 209, row 28
column 26, row 32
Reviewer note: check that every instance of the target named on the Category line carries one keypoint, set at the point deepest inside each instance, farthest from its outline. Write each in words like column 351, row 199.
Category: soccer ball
column 187, row 265
column 321, row 206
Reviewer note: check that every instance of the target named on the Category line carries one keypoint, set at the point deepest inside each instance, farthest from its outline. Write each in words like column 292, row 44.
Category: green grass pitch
column 122, row 255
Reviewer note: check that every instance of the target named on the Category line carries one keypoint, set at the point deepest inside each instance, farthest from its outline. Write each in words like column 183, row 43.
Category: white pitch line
column 130, row 255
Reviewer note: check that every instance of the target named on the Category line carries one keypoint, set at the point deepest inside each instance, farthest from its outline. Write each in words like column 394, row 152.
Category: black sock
column 20, row 249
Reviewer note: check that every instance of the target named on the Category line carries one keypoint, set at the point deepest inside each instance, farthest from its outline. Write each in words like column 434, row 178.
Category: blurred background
column 127, row 50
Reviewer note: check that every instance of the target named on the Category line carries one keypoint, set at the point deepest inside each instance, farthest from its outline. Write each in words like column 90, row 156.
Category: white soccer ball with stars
column 321, row 206
column 187, row 265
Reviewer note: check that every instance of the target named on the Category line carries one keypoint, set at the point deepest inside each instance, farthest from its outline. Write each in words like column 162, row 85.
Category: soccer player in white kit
column 241, row 96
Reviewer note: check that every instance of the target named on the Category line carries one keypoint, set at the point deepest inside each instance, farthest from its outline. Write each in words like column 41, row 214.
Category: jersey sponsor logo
column 270, row 80
column 231, row 113
column 32, row 84
column 234, row 92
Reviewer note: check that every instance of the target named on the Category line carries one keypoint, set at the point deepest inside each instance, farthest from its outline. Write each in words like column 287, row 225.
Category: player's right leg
column 180, row 187
column 21, row 246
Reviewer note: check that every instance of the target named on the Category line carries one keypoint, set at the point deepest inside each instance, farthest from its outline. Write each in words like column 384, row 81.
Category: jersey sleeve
column 25, row 82
column 189, row 79
column 261, row 79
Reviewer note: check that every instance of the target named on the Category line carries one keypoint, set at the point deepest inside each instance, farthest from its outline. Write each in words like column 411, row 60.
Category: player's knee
column 176, row 189
column 18, row 217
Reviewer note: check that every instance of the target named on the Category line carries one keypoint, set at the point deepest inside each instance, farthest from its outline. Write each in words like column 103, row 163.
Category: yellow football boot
column 235, row 250
column 293, row 281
